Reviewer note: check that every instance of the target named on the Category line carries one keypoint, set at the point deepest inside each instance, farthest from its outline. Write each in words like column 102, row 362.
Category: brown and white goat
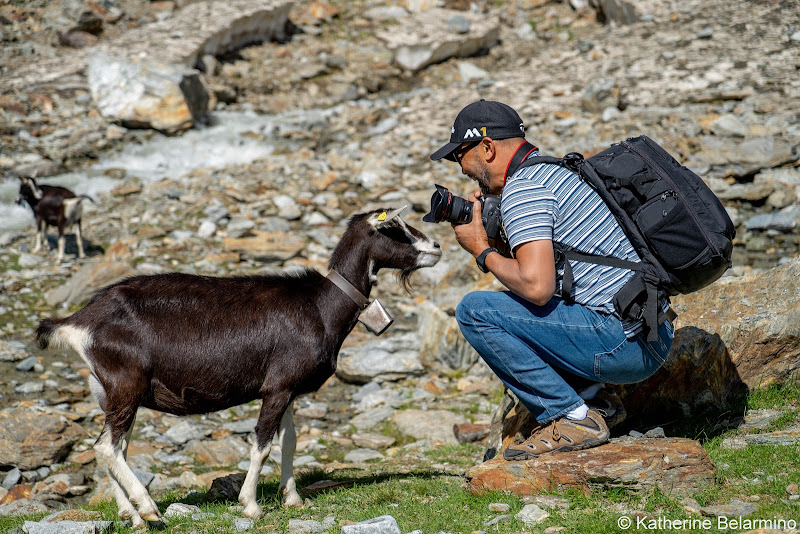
column 187, row 344
column 54, row 206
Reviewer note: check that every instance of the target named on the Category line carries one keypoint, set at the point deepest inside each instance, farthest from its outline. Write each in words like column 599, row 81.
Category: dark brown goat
column 187, row 344
column 54, row 206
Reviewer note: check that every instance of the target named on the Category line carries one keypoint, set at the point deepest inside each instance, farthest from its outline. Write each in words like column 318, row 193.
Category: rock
column 735, row 508
column 184, row 431
column 785, row 220
column 442, row 347
column 728, row 125
column 617, row 11
column 470, row 73
column 227, row 451
column 147, row 94
column 303, row 526
column 11, row 479
column 384, row 524
column 27, row 364
column 745, row 158
column 287, row 207
column 200, row 28
column 676, row 465
column 531, row 515
column 435, row 426
column 227, row 488
column 385, row 359
column 421, row 40
column 600, row 94
column 372, row 418
column 358, row 456
column 267, row 246
column 178, row 509
column 547, row 501
column 66, row 527
column 90, row 278
column 30, row 439
column 756, row 319
column 469, row 432
column 12, row 351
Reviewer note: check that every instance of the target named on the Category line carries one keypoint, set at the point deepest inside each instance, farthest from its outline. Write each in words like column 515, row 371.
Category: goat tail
column 45, row 331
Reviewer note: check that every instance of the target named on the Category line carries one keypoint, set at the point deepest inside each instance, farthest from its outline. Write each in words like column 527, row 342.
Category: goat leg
column 288, row 439
column 62, row 240
column 126, row 510
column 79, row 239
column 41, row 235
column 273, row 407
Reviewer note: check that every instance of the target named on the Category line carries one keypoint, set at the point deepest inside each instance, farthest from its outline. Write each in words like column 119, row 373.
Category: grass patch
column 434, row 500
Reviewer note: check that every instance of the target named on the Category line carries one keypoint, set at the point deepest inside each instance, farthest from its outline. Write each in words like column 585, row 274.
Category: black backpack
column 673, row 220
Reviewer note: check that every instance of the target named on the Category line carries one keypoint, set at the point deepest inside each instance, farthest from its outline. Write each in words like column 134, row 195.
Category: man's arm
column 531, row 275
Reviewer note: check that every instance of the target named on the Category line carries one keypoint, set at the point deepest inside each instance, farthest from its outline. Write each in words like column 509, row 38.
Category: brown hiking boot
column 610, row 406
column 561, row 435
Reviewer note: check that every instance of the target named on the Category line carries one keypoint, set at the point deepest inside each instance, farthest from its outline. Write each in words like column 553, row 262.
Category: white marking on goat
column 76, row 337
column 73, row 210
column 98, row 391
column 118, row 469
column 373, row 276
column 288, row 443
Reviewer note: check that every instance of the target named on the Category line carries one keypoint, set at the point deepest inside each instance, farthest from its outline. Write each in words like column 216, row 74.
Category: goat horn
column 383, row 221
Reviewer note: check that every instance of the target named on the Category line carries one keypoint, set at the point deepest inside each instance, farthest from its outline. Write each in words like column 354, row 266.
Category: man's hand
column 472, row 237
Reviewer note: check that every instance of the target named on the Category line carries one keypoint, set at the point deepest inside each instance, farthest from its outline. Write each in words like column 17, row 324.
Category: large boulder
column 676, row 465
column 87, row 281
column 143, row 93
column 31, row 439
column 436, row 35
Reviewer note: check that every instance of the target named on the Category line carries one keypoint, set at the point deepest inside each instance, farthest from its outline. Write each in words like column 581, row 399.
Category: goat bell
column 376, row 318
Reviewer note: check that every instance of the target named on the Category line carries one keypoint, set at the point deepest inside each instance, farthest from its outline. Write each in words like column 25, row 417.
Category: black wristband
column 481, row 259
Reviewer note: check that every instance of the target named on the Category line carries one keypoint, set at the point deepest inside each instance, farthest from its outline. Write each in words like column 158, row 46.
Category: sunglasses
column 458, row 155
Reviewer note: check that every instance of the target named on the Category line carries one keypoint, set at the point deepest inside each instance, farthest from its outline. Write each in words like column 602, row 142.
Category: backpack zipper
column 647, row 159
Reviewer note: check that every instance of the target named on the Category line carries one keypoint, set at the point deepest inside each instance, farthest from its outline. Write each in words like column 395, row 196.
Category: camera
column 445, row 206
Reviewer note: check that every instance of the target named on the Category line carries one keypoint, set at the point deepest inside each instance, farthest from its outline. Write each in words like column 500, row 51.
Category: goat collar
column 348, row 289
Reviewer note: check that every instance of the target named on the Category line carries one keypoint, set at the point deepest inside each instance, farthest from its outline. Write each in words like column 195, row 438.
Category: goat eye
column 395, row 233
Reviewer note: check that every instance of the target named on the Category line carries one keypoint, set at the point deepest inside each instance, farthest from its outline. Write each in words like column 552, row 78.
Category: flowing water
column 222, row 143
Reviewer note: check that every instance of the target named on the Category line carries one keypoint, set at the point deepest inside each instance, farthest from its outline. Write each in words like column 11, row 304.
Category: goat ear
column 384, row 218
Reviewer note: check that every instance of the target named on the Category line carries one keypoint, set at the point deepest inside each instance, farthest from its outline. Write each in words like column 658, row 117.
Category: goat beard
column 403, row 279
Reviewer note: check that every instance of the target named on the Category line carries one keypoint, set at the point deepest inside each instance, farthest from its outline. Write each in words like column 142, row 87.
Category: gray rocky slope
column 714, row 81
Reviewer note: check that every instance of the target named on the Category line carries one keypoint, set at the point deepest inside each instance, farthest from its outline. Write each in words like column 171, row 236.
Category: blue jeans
column 523, row 344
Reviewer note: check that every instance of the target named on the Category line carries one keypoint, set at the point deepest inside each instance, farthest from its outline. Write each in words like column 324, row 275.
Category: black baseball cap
column 480, row 119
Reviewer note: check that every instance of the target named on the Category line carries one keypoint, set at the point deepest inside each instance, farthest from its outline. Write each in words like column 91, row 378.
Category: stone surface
column 146, row 93
column 384, row 524
column 435, row 426
column 676, row 465
column 29, row 439
column 391, row 358
column 442, row 347
column 200, row 28
column 266, row 246
column 421, row 40
column 90, row 278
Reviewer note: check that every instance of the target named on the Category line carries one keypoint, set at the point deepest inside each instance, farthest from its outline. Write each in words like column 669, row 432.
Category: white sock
column 591, row 391
column 579, row 413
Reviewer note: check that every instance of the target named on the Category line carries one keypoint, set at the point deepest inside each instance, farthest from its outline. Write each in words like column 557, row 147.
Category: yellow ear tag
column 382, row 216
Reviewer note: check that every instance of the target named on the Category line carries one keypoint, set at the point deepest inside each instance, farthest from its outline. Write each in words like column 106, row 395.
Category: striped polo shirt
column 551, row 202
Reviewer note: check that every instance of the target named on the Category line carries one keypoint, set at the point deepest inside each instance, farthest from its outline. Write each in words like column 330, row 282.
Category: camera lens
column 446, row 206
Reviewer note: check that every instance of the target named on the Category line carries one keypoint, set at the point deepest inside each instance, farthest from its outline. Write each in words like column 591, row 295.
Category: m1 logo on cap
column 473, row 132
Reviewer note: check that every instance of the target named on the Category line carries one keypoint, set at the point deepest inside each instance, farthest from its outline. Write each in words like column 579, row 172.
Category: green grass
column 424, row 494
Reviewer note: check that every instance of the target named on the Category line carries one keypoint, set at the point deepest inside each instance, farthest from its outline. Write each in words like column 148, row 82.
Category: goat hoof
column 293, row 501
column 253, row 511
column 151, row 517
